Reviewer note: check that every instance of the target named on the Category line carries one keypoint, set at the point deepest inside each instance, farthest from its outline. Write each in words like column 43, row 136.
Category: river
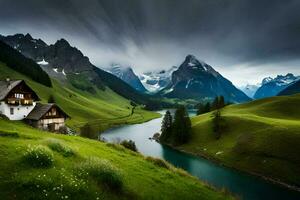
column 245, row 186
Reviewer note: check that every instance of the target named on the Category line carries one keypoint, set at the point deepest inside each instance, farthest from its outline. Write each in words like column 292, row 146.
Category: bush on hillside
column 103, row 172
column 158, row 162
column 38, row 156
column 129, row 144
column 59, row 147
column 9, row 134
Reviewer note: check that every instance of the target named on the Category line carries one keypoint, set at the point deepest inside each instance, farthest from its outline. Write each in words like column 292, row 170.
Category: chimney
column 8, row 82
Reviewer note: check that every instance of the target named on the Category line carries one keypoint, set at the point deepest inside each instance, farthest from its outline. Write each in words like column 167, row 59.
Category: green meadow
column 260, row 137
column 41, row 165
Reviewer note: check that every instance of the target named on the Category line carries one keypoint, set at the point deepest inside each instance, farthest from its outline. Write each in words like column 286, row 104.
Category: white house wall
column 20, row 112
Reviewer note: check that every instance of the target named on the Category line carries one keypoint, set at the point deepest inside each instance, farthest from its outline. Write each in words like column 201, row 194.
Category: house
column 17, row 99
column 19, row 102
column 47, row 117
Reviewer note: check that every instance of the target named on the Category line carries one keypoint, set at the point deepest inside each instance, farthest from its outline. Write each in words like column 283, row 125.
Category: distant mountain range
column 273, row 86
column 293, row 88
column 195, row 79
column 157, row 80
column 127, row 75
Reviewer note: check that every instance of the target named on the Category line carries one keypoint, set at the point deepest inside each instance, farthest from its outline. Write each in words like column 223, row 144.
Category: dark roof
column 7, row 86
column 41, row 109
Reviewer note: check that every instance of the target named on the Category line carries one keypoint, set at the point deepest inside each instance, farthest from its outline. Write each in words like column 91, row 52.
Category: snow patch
column 191, row 64
column 63, row 72
column 55, row 70
column 43, row 62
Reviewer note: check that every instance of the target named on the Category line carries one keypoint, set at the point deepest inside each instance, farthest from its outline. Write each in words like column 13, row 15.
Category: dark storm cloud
column 156, row 33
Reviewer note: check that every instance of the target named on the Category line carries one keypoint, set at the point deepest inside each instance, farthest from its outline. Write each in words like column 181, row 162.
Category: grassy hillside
column 42, row 165
column 103, row 109
column 261, row 136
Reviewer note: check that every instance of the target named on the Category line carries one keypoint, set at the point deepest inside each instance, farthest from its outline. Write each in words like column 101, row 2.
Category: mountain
column 272, row 86
column 249, row 90
column 68, row 64
column 198, row 80
column 157, row 80
column 293, row 88
column 127, row 75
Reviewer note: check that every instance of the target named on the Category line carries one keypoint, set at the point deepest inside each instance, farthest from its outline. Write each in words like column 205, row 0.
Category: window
column 53, row 111
column 19, row 96
column 11, row 111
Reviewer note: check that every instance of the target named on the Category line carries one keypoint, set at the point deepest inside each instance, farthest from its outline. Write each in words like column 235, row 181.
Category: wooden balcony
column 17, row 102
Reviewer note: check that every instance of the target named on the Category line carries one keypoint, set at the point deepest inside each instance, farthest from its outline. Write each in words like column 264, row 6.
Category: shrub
column 4, row 117
column 9, row 134
column 38, row 156
column 103, row 172
column 129, row 144
column 63, row 130
column 57, row 146
column 159, row 162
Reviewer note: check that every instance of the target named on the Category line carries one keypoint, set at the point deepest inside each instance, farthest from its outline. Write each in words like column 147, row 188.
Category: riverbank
column 219, row 162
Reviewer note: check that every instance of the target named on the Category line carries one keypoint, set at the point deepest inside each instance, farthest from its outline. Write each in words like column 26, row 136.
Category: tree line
column 176, row 131
column 218, row 103
column 15, row 60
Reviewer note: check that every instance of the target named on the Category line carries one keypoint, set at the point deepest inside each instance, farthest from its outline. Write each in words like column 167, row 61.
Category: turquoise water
column 245, row 186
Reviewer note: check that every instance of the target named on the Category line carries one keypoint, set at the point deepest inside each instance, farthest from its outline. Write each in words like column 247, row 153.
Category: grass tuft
column 103, row 172
column 9, row 134
column 59, row 147
column 159, row 162
column 38, row 156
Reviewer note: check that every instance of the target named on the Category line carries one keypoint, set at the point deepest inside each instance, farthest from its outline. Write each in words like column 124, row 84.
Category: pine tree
column 181, row 126
column 215, row 103
column 200, row 109
column 218, row 124
column 207, row 107
column 166, row 127
column 221, row 102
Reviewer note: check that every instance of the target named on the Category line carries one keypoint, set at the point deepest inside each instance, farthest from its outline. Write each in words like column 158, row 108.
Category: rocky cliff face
column 127, row 75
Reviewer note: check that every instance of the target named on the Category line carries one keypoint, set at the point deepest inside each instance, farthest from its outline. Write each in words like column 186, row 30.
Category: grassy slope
column 105, row 108
column 142, row 179
column 261, row 136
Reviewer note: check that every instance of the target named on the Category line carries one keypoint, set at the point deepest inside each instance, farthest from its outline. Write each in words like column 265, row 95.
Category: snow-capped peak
column 157, row 80
column 281, row 79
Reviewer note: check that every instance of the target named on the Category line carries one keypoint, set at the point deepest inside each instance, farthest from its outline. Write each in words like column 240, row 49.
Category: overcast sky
column 245, row 40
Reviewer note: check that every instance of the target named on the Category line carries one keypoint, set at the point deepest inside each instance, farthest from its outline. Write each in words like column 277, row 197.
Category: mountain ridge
column 273, row 86
column 68, row 64
column 197, row 80
column 127, row 74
